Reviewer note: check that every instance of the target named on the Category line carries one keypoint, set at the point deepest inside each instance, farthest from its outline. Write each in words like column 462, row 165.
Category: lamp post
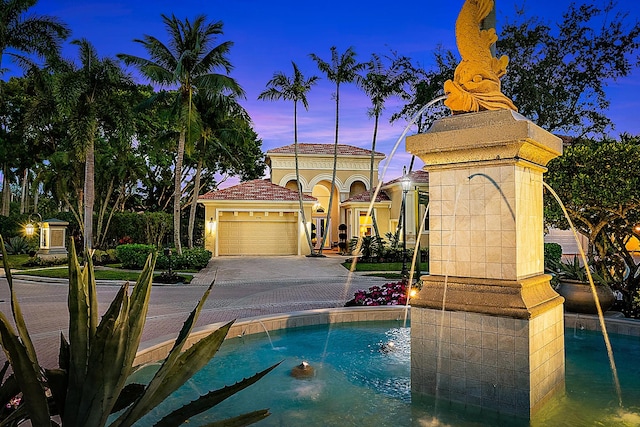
column 406, row 185
column 168, row 253
column 30, row 228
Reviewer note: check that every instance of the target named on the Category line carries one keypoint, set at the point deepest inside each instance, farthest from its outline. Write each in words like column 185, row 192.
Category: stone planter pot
column 579, row 299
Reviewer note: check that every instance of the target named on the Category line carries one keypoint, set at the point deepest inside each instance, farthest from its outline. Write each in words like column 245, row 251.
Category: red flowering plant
column 125, row 240
column 387, row 294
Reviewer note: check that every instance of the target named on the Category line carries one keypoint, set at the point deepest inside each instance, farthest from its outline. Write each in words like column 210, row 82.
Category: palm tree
column 25, row 35
column 118, row 173
column 218, row 119
column 228, row 145
column 381, row 83
column 342, row 69
column 90, row 100
column 188, row 61
column 294, row 89
column 28, row 34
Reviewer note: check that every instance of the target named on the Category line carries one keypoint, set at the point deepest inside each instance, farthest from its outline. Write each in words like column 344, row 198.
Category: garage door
column 257, row 238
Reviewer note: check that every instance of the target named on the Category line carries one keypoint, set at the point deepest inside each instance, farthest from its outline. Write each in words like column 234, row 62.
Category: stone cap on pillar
column 520, row 299
column 485, row 136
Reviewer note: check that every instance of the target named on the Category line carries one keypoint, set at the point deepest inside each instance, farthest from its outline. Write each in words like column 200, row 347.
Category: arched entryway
column 322, row 192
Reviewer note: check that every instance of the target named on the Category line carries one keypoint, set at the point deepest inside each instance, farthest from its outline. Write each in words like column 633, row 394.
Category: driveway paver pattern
column 244, row 287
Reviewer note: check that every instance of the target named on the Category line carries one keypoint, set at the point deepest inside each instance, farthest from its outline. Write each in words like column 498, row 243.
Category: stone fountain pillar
column 487, row 328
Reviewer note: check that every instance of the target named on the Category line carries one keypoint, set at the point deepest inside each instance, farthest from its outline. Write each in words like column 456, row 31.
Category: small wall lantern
column 212, row 225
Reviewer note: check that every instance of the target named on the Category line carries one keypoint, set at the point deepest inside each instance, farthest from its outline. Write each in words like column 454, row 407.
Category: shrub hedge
column 191, row 259
column 135, row 255
column 552, row 254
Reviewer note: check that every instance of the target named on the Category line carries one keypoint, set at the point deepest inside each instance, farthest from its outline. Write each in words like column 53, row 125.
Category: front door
column 320, row 230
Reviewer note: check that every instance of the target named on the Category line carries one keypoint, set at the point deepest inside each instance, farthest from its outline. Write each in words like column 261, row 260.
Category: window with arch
column 357, row 187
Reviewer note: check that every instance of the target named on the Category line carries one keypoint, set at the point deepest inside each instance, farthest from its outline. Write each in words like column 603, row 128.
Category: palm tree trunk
column 371, row 184
column 101, row 230
column 6, row 191
column 177, row 192
column 119, row 200
column 194, row 202
column 89, row 194
column 24, row 197
column 36, row 195
column 333, row 177
column 295, row 150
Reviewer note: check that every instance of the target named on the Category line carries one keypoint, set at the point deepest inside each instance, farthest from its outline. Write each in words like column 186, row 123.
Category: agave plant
column 94, row 364
column 576, row 271
column 18, row 245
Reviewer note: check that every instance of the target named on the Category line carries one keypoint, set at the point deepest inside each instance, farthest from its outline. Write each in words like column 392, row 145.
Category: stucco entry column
column 487, row 328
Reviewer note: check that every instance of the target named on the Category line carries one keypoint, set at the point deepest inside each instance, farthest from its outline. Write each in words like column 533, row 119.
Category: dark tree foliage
column 599, row 183
column 425, row 86
column 558, row 73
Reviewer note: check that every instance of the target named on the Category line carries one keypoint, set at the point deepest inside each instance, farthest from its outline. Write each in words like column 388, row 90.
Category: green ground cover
column 63, row 273
column 385, row 270
column 390, row 276
column 382, row 266
column 112, row 272
column 16, row 261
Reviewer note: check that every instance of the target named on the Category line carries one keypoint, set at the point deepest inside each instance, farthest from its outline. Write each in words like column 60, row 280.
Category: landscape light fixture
column 30, row 228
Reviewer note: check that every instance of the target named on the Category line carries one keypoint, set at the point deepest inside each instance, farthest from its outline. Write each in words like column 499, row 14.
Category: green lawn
column 63, row 273
column 386, row 270
column 390, row 276
column 381, row 266
column 111, row 272
column 16, row 261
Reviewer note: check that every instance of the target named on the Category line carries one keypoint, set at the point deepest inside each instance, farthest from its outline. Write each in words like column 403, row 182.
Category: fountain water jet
column 594, row 292
column 412, row 121
column 264, row 328
column 412, row 270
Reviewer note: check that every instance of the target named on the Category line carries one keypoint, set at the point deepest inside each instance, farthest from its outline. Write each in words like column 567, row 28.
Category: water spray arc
column 592, row 286
column 375, row 193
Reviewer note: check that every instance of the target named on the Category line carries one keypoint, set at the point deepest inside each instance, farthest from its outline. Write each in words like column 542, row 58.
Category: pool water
column 358, row 383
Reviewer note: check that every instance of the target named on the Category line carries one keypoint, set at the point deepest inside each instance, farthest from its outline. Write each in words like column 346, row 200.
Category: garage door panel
column 257, row 238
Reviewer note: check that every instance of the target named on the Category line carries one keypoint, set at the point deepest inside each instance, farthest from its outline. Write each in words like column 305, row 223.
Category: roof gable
column 257, row 189
column 365, row 196
column 324, row 149
column 417, row 177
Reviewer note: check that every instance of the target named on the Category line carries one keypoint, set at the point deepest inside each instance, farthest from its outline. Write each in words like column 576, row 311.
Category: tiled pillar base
column 504, row 364
column 497, row 341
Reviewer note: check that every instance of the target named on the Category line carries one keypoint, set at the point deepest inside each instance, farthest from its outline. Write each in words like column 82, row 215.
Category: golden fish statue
column 476, row 82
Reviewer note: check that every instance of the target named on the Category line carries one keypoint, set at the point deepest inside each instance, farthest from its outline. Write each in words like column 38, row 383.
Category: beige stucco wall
column 352, row 217
column 352, row 172
column 394, row 191
column 316, row 168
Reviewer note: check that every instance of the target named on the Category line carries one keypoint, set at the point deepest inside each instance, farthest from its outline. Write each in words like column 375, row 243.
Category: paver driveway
column 245, row 287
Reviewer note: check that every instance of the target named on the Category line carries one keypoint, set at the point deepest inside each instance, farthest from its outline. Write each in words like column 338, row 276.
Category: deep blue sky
column 268, row 35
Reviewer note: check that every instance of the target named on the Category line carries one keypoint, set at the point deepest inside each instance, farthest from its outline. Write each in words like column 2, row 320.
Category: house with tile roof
column 263, row 217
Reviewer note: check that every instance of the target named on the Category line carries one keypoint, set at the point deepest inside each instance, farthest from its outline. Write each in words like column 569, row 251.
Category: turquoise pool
column 357, row 383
